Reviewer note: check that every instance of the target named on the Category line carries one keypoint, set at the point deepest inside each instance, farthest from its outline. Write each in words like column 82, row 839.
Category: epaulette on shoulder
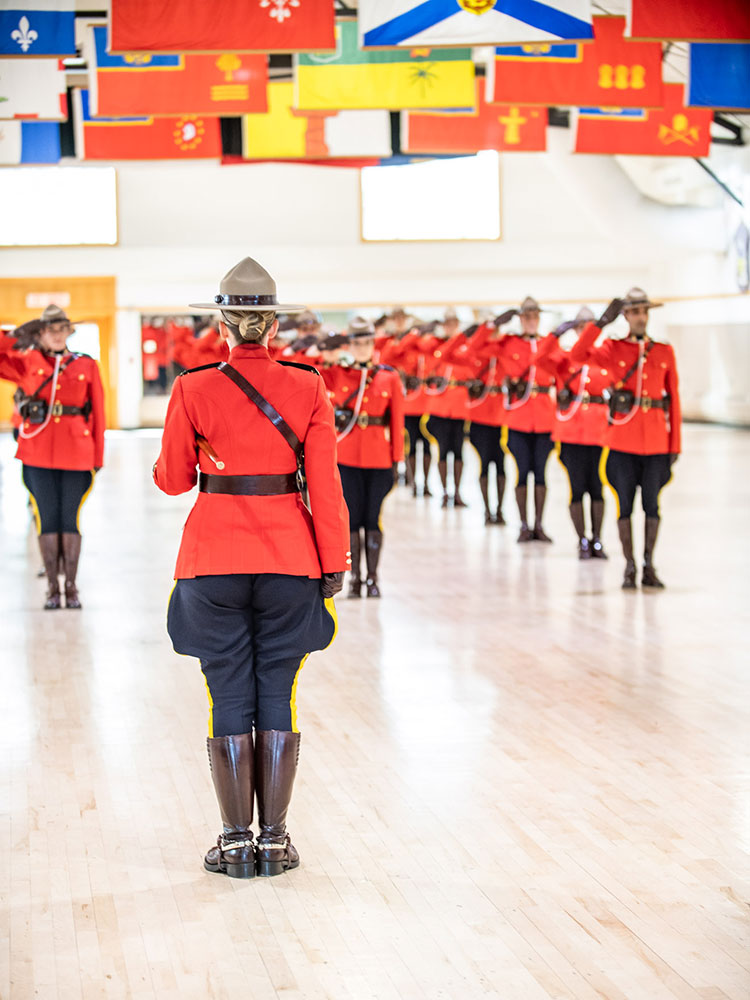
column 200, row 368
column 297, row 364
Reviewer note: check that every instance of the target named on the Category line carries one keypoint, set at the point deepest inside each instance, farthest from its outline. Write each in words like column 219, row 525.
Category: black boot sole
column 268, row 869
column 246, row 870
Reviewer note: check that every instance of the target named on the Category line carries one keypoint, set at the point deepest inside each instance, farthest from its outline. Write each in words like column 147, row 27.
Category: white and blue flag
column 436, row 23
column 37, row 28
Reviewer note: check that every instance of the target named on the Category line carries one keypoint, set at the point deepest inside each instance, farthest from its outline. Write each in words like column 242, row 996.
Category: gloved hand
column 471, row 330
column 610, row 314
column 331, row 584
column 564, row 327
column 673, row 458
column 505, row 317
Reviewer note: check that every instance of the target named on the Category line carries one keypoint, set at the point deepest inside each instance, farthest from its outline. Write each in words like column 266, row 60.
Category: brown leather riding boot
column 426, row 466
column 626, row 540
column 649, row 577
column 276, row 757
column 355, row 578
column 597, row 516
column 373, row 545
column 49, row 546
column 526, row 534
column 499, row 519
column 484, row 490
column 458, row 468
column 71, row 547
column 576, row 516
column 540, row 495
column 232, row 765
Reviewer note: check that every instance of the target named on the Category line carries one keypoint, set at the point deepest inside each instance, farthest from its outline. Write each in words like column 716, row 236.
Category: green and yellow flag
column 352, row 79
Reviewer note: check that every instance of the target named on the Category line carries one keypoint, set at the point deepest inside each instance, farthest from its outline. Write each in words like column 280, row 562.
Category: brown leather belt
column 367, row 420
column 58, row 410
column 646, row 403
column 249, row 486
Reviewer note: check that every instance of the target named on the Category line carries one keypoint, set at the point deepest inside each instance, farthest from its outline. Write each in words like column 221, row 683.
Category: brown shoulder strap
column 264, row 406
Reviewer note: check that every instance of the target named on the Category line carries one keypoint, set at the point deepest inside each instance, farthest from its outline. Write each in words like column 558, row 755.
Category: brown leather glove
column 505, row 317
column 564, row 327
column 610, row 314
column 331, row 584
column 673, row 458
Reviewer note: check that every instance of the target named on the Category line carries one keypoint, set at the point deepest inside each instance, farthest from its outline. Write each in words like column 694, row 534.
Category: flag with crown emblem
column 489, row 126
column 610, row 71
column 350, row 79
column 183, row 137
column 221, row 25
column 412, row 23
column 229, row 83
column 37, row 28
column 674, row 130
column 33, row 89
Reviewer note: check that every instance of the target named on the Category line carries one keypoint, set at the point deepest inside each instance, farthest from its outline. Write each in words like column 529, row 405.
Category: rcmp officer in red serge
column 60, row 440
column 257, row 569
column 643, row 435
column 579, row 429
column 369, row 402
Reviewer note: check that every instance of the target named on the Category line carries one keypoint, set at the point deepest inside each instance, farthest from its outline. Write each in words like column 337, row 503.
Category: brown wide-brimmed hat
column 54, row 314
column 248, row 287
column 360, row 327
column 529, row 305
column 450, row 315
column 637, row 297
column 584, row 315
column 332, row 341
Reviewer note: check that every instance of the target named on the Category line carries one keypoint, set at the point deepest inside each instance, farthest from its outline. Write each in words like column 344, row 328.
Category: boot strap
column 234, row 845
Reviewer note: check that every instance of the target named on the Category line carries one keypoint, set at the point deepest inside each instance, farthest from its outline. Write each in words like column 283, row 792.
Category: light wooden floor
column 516, row 781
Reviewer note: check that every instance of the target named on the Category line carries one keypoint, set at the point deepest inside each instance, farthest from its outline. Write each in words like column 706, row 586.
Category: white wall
column 575, row 229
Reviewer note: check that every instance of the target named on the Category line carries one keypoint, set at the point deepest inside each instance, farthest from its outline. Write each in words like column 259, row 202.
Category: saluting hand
column 610, row 314
column 673, row 458
column 505, row 317
column 564, row 327
column 331, row 584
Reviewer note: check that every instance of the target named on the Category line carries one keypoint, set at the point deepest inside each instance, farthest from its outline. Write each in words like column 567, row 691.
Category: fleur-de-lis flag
column 37, row 28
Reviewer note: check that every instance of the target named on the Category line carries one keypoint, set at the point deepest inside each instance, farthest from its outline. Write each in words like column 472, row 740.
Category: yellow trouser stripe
column 423, row 428
column 605, row 481
column 331, row 609
column 210, row 708
column 84, row 498
column 35, row 512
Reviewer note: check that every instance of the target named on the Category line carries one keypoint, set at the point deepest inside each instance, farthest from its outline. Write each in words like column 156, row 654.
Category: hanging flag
column 285, row 133
column 231, row 83
column 672, row 131
column 720, row 76
column 413, row 23
column 690, row 20
column 611, row 71
column 33, row 88
column 187, row 137
column 490, row 126
column 221, row 25
column 352, row 79
column 37, row 28
column 29, row 142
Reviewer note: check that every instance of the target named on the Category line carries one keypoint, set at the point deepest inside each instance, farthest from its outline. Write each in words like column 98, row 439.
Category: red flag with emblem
column 672, row 131
column 691, row 20
column 610, row 71
column 226, row 25
column 188, row 137
column 489, row 126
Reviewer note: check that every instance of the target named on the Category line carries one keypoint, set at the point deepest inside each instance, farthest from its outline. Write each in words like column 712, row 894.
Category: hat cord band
column 245, row 300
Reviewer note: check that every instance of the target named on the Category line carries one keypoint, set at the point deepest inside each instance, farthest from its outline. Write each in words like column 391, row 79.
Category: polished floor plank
column 516, row 780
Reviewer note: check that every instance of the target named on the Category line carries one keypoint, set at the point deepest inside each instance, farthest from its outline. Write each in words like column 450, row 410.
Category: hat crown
column 54, row 314
column 247, row 278
column 361, row 326
column 635, row 296
column 584, row 315
column 529, row 304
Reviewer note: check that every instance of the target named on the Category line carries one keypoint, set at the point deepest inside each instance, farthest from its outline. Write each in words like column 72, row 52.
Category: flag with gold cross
column 489, row 126
column 227, row 83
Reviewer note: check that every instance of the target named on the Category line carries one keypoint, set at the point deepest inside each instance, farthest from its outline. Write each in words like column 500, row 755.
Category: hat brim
column 280, row 307
column 636, row 305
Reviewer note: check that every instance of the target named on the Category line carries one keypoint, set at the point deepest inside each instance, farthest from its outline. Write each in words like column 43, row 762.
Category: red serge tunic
column 68, row 441
column 369, row 446
column 405, row 355
column 488, row 408
column 450, row 360
column 648, row 431
column 254, row 534
column 519, row 357
column 583, row 422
